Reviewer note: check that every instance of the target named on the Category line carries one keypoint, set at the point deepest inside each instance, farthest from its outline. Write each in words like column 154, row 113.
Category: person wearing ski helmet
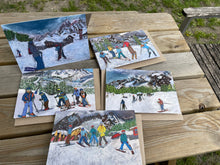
column 124, row 141
column 104, row 57
column 60, row 95
column 45, row 100
column 101, row 129
column 93, row 135
column 76, row 93
column 67, row 142
column 28, row 98
column 149, row 50
column 131, row 50
column 83, row 97
column 119, row 51
column 83, row 137
column 37, row 55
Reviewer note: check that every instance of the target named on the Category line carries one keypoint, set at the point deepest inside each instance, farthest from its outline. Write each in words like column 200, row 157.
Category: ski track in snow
column 148, row 105
column 76, row 51
column 52, row 104
column 75, row 154
column 141, row 56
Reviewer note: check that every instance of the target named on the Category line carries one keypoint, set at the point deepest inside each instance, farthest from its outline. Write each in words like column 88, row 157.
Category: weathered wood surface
column 207, row 56
column 167, row 42
column 202, row 12
column 165, row 140
column 108, row 22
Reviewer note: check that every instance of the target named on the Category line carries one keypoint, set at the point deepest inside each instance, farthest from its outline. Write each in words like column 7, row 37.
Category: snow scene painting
column 44, row 93
column 141, row 90
column 94, row 138
column 49, row 42
column 117, row 50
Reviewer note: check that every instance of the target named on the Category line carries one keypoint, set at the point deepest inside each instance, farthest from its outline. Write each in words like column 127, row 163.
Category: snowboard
column 123, row 151
column 29, row 69
column 163, row 110
column 80, row 144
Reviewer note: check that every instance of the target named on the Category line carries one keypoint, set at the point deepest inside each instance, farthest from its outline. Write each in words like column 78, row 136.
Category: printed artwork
column 116, row 50
column 141, row 90
column 49, row 42
column 44, row 92
column 94, row 138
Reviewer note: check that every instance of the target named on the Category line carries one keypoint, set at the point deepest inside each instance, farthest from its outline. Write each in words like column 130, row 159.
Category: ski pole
column 35, row 107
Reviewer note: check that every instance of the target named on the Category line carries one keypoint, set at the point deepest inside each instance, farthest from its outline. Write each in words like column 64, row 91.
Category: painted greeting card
column 94, row 138
column 50, row 42
column 43, row 93
column 123, row 49
column 141, row 90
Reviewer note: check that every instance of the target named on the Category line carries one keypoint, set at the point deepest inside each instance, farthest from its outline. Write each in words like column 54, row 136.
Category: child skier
column 37, row 55
column 28, row 98
column 93, row 135
column 119, row 51
column 67, row 142
column 76, row 94
column 83, row 96
column 67, row 102
column 101, row 129
column 131, row 50
column 104, row 57
column 148, row 49
column 161, row 104
column 59, row 50
column 45, row 100
column 124, row 141
column 110, row 49
column 18, row 53
column 123, row 106
column 60, row 95
column 83, row 137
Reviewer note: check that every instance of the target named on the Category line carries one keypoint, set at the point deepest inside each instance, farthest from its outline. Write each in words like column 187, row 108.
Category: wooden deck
column 163, row 140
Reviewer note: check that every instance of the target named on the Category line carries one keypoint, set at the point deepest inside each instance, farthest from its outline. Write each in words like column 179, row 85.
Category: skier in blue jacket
column 37, row 55
column 45, row 100
column 148, row 49
column 93, row 135
column 104, row 57
column 28, row 98
column 60, row 95
column 83, row 137
column 119, row 51
column 124, row 141
column 67, row 142
column 76, row 93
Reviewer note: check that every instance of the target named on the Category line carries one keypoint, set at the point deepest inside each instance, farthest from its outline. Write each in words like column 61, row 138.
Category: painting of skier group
column 49, row 42
column 117, row 50
column 94, row 138
column 141, row 90
column 43, row 93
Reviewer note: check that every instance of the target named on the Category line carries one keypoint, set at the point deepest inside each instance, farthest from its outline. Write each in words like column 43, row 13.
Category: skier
column 67, row 102
column 110, row 49
column 123, row 106
column 53, row 139
column 148, row 49
column 67, row 142
column 101, row 129
column 45, row 100
column 131, row 50
column 119, row 51
column 18, row 53
column 104, row 57
column 59, row 49
column 83, row 96
column 93, row 135
column 139, row 95
column 76, row 94
column 161, row 104
column 134, row 99
column 124, row 141
column 28, row 98
column 37, row 55
column 83, row 137
column 61, row 98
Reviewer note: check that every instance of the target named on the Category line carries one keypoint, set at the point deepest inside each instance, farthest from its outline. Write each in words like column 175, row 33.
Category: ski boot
column 32, row 115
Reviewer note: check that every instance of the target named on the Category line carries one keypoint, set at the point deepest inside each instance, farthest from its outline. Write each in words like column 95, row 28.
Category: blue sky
column 40, row 26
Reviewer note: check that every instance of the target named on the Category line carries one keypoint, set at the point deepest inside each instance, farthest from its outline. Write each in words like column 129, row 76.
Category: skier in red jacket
column 131, row 50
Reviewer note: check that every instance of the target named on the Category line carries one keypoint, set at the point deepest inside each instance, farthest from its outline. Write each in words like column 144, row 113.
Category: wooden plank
column 166, row 140
column 182, row 66
column 192, row 92
column 25, row 150
column 102, row 22
column 214, row 54
column 201, row 12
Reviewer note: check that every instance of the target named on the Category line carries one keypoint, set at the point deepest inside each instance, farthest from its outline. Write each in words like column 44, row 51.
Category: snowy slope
column 75, row 154
column 142, row 54
column 148, row 105
column 52, row 104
